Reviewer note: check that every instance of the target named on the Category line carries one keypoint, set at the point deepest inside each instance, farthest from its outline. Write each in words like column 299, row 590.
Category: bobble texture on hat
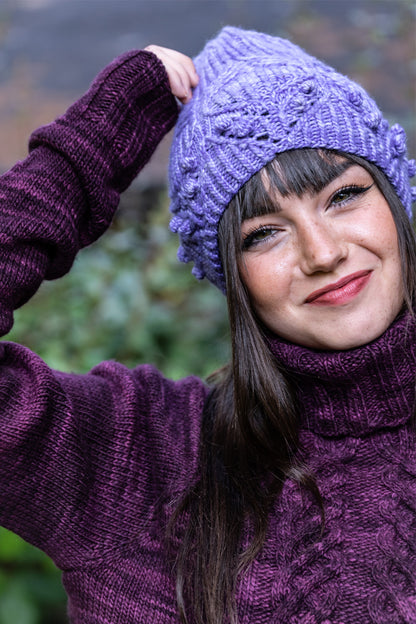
column 260, row 95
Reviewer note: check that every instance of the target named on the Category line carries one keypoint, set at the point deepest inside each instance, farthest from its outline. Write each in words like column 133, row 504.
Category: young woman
column 285, row 490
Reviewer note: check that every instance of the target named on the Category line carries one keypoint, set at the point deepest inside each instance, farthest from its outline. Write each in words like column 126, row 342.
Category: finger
column 179, row 84
column 178, row 60
column 180, row 70
column 184, row 64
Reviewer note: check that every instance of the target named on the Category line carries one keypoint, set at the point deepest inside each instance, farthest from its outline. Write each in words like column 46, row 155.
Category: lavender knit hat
column 259, row 95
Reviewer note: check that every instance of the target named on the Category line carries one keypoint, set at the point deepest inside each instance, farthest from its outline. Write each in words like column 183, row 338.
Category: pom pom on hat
column 257, row 96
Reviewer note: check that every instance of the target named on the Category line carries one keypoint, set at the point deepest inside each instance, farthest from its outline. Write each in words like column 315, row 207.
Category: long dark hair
column 249, row 436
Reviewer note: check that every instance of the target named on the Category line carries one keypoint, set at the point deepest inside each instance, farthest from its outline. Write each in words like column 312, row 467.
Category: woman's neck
column 358, row 391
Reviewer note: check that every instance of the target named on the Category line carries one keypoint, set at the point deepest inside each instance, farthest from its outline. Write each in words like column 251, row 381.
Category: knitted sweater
column 89, row 464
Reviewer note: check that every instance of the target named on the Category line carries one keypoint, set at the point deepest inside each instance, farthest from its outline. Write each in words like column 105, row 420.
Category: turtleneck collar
column 357, row 391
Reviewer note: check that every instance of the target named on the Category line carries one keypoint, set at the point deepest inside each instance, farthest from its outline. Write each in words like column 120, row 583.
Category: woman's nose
column 321, row 248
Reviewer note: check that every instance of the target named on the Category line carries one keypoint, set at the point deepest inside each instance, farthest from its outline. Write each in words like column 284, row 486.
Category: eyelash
column 353, row 190
column 249, row 238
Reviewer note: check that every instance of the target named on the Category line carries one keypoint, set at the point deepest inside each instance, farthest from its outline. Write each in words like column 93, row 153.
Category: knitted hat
column 259, row 95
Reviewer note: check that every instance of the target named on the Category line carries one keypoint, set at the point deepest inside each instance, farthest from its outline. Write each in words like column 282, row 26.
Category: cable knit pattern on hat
column 259, row 95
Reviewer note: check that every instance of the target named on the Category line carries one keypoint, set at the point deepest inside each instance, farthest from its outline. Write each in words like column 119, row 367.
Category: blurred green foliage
column 126, row 298
column 30, row 588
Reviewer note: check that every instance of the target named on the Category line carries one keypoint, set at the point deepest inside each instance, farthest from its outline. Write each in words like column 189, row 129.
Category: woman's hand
column 180, row 69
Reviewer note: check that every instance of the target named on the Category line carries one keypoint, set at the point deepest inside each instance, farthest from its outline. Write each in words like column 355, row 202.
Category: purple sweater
column 90, row 463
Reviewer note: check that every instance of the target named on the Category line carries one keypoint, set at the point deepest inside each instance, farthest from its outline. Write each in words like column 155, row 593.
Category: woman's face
column 324, row 270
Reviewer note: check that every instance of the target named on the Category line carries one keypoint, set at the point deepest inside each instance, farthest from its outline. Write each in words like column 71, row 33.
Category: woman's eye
column 341, row 197
column 348, row 193
column 257, row 236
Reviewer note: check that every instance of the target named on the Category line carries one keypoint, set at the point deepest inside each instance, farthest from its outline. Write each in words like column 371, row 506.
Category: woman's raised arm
column 84, row 457
column 63, row 195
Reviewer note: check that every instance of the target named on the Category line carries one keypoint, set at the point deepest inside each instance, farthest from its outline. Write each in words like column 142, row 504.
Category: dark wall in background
column 51, row 49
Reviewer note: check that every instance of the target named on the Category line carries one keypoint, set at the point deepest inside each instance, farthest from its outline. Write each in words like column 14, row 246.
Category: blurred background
column 127, row 298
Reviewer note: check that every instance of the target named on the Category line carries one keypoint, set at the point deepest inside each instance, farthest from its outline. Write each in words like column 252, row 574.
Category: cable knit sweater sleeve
column 63, row 196
column 83, row 458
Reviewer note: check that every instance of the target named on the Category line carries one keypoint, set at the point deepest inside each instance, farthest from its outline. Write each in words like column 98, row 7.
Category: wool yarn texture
column 260, row 95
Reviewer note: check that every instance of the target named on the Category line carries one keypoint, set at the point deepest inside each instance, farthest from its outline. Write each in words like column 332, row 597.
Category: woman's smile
column 341, row 292
column 324, row 269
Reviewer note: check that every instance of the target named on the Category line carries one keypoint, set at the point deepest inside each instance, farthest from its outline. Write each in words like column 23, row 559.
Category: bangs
column 294, row 172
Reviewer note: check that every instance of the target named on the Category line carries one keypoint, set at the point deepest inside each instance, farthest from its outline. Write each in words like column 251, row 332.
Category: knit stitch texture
column 90, row 464
column 257, row 96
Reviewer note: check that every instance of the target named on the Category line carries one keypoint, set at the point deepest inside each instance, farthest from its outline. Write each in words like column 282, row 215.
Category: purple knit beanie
column 259, row 95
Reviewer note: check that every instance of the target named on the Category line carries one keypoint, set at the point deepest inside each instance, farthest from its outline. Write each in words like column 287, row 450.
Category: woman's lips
column 340, row 292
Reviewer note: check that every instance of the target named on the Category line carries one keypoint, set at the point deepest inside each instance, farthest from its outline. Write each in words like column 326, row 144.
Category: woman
column 284, row 491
